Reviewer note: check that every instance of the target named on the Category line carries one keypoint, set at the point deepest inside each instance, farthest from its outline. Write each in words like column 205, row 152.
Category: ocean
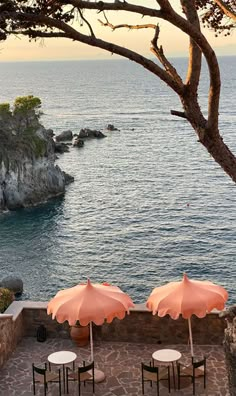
column 148, row 202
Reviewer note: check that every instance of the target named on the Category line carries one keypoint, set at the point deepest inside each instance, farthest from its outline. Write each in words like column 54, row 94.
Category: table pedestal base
column 99, row 375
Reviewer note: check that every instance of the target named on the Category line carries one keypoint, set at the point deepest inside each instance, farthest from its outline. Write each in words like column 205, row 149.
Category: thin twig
column 87, row 23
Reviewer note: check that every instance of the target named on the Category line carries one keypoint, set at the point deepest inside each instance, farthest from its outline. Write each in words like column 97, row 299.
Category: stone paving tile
column 119, row 361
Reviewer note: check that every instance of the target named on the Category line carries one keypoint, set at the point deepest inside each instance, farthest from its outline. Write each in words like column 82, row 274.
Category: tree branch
column 159, row 53
column 213, row 67
column 70, row 32
column 195, row 54
column 178, row 113
column 87, row 23
column 167, row 13
column 226, row 9
column 116, row 6
column 125, row 25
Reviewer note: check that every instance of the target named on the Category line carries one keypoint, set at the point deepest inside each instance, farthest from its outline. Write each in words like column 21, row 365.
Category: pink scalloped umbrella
column 187, row 298
column 90, row 302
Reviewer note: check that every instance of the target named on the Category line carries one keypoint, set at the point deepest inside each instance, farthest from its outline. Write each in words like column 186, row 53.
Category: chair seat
column 50, row 376
column 150, row 376
column 188, row 370
column 163, row 374
column 73, row 375
column 83, row 376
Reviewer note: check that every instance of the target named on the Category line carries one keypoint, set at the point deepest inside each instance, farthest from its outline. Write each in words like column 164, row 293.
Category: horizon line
column 97, row 60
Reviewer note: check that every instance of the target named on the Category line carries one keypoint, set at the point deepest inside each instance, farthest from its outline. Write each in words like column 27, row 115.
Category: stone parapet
column 23, row 318
column 11, row 332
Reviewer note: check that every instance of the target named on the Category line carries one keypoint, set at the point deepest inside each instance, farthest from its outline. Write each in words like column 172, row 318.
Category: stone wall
column 11, row 332
column 139, row 326
column 142, row 326
column 33, row 318
column 230, row 354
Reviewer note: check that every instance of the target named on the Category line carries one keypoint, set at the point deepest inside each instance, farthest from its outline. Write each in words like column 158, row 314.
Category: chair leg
column 34, row 387
column 67, row 381
column 142, row 387
column 193, row 385
column 158, row 393
column 60, row 384
column 169, row 379
column 178, row 381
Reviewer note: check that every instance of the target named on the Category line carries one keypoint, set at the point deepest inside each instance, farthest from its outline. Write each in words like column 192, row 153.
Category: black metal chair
column 43, row 376
column 194, row 370
column 155, row 374
column 83, row 374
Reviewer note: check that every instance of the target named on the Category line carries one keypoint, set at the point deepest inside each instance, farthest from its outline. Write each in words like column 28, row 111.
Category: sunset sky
column 174, row 42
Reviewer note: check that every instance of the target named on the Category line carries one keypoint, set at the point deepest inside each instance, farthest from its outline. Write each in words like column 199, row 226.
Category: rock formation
column 61, row 148
column 76, row 142
column 110, row 127
column 64, row 136
column 28, row 174
column 90, row 133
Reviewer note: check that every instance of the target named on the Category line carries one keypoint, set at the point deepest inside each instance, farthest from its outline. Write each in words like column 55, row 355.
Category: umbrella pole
column 190, row 335
column 91, row 340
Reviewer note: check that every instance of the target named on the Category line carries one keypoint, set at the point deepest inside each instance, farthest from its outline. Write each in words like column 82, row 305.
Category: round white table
column 62, row 358
column 167, row 356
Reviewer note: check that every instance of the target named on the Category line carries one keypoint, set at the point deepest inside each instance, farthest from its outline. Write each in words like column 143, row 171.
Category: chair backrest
column 87, row 367
column 39, row 370
column 199, row 363
column 150, row 369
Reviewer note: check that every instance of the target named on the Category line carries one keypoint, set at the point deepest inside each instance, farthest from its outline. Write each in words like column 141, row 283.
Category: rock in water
column 13, row 283
column 65, row 135
column 90, row 133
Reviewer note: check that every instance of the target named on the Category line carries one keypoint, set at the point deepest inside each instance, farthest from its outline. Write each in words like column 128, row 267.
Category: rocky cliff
column 28, row 174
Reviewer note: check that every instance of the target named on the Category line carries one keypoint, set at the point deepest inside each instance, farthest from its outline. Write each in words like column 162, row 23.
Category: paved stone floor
column 120, row 363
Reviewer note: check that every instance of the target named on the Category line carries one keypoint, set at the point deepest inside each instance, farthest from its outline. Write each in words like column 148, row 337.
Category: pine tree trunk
column 215, row 145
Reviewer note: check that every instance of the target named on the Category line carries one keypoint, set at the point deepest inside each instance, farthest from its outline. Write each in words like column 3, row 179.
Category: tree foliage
column 23, row 105
column 6, row 298
column 72, row 19
column 5, row 109
column 26, row 105
column 218, row 15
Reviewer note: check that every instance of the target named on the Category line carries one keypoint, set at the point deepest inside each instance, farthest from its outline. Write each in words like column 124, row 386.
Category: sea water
column 148, row 202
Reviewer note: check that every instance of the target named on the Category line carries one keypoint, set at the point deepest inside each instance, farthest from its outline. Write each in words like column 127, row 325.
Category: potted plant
column 79, row 334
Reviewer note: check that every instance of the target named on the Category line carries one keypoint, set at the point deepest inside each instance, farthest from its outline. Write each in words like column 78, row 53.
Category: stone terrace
column 120, row 362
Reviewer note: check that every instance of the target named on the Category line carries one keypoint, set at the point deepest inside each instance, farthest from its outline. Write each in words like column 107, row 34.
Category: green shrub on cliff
column 19, row 125
column 26, row 112
column 23, row 105
column 26, row 105
column 6, row 298
column 5, row 109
